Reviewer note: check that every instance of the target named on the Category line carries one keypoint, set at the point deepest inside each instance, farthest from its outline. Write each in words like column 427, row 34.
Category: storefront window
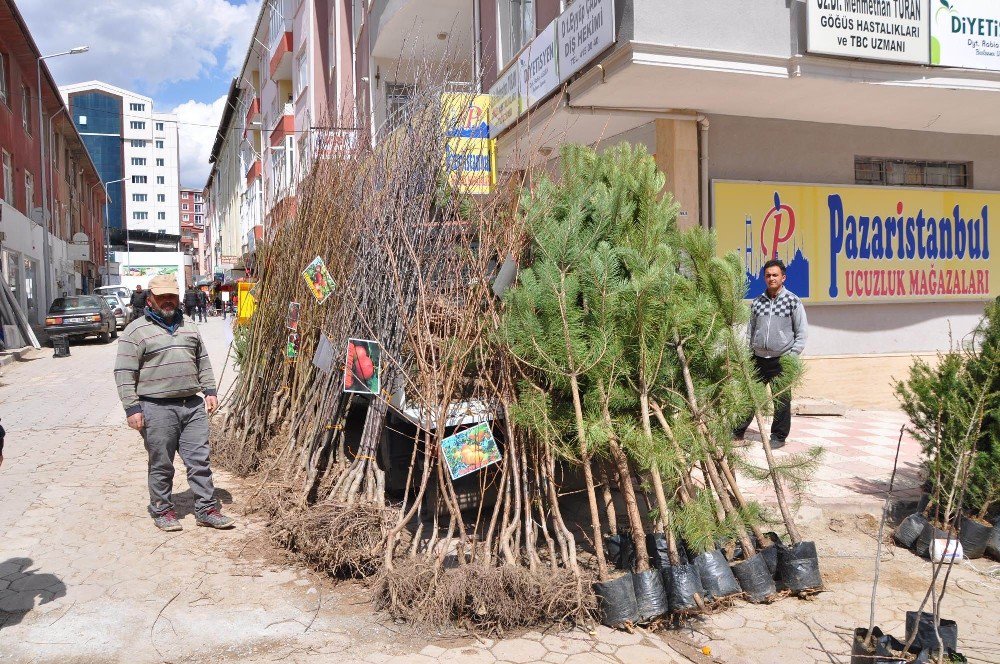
column 516, row 23
column 31, row 288
column 11, row 273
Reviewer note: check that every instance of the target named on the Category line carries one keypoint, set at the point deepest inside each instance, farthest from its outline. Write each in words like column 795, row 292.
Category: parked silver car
column 120, row 309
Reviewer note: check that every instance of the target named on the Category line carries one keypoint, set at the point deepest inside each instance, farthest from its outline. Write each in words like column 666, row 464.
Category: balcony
column 401, row 27
column 254, row 172
column 285, row 125
column 280, row 67
column 253, row 113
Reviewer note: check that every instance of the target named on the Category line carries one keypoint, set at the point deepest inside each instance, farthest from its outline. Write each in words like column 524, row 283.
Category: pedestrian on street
column 777, row 327
column 202, row 305
column 2, row 434
column 161, row 367
column 138, row 302
column 191, row 303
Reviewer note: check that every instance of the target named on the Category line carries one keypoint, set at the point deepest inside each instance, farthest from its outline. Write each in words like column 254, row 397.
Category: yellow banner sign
column 856, row 244
column 469, row 156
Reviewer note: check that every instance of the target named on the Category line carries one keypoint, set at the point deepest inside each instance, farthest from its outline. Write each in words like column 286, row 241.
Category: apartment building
column 65, row 198
column 192, row 211
column 137, row 154
column 295, row 90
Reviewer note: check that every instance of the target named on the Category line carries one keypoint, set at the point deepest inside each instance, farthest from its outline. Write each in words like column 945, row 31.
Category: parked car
column 121, row 291
column 81, row 316
column 119, row 308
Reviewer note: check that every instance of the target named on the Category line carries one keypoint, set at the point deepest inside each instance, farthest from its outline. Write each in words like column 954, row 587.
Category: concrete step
column 807, row 406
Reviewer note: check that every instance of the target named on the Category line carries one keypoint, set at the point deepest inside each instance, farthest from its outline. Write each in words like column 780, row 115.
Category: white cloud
column 197, row 127
column 142, row 44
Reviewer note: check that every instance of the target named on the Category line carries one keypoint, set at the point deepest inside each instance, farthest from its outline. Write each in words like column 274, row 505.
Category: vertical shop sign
column 468, row 152
column 886, row 30
column 966, row 33
column 585, row 29
column 539, row 65
column 506, row 100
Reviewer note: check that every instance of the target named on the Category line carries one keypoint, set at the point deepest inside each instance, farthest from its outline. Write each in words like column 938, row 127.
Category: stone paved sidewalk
column 84, row 576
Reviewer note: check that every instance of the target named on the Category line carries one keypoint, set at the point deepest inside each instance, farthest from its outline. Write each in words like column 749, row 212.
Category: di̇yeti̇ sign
column 966, row 33
column 858, row 244
column 888, row 30
column 565, row 46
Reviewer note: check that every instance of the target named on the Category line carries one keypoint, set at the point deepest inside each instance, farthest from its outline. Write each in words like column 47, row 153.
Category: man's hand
column 137, row 421
column 212, row 404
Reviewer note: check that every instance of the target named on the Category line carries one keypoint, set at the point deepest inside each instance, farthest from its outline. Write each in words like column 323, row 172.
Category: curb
column 10, row 356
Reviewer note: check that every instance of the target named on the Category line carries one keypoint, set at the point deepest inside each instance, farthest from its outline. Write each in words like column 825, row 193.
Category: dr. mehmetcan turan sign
column 887, row 30
column 855, row 244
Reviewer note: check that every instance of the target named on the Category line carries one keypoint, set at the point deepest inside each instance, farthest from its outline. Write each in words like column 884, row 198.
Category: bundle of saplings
column 631, row 329
column 954, row 410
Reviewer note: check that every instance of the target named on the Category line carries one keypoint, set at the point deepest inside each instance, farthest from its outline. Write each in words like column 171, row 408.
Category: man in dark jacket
column 202, row 305
column 138, row 303
column 777, row 327
column 191, row 303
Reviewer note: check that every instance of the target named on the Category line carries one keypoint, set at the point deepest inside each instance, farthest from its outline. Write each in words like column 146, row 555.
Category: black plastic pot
column 716, row 577
column 922, row 545
column 926, row 638
column 974, row 537
column 682, row 583
column 909, row 530
column 621, row 551
column 650, row 596
column 616, row 601
column 754, row 578
column 658, row 550
column 993, row 545
column 798, row 567
column 880, row 650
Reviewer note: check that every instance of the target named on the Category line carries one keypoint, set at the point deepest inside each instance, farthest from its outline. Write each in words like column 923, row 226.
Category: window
column 139, row 216
column 185, row 206
column 397, row 96
column 139, row 198
column 186, row 217
column 3, row 77
column 136, row 124
column 26, row 108
column 138, row 161
column 82, row 120
column 159, row 126
column 197, row 207
column 160, row 179
column 184, row 195
column 161, row 198
column 198, row 198
column 159, row 145
column 516, row 25
column 137, row 107
column 138, row 179
column 199, row 219
column 138, row 143
column 8, row 179
column 29, row 192
column 301, row 72
column 161, row 215
column 160, row 162
column 912, row 173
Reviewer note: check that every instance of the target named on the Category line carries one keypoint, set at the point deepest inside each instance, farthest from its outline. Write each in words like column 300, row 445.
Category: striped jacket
column 156, row 364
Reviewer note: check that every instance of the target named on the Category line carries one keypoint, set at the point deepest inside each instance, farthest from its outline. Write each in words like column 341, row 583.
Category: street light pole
column 107, row 228
column 46, row 261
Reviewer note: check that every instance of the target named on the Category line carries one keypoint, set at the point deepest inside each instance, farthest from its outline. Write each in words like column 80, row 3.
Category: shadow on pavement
column 184, row 501
column 21, row 587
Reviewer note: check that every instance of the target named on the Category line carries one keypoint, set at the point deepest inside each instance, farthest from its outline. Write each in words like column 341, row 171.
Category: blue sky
column 182, row 53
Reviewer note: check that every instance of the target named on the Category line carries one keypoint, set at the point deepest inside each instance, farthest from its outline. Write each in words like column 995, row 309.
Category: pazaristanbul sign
column 858, row 244
column 887, row 30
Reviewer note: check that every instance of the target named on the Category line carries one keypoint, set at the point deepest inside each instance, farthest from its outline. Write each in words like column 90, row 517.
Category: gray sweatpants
column 177, row 426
